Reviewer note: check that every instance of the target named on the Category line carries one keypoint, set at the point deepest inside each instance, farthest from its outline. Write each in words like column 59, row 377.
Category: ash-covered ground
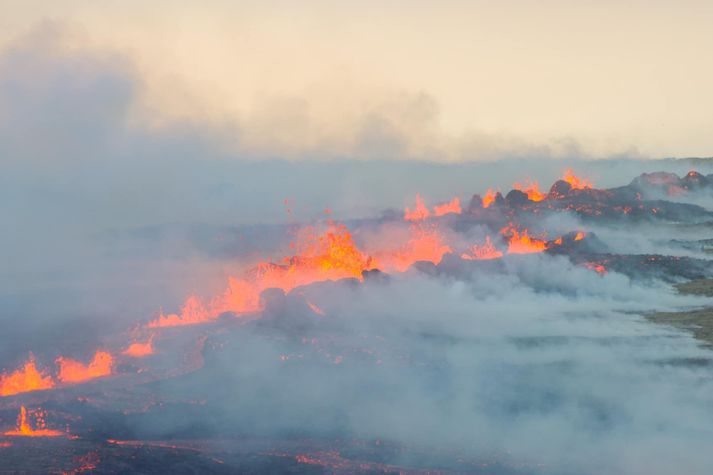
column 561, row 330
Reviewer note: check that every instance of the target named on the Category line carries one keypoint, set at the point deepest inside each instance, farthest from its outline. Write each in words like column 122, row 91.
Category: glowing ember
column 520, row 242
column 452, row 206
column 139, row 350
column 28, row 378
column 484, row 252
column 72, row 371
column 575, row 182
column 579, row 236
column 531, row 189
column 489, row 198
column 420, row 212
column 598, row 268
column 24, row 429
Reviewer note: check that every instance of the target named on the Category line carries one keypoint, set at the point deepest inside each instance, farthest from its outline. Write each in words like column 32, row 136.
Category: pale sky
column 450, row 80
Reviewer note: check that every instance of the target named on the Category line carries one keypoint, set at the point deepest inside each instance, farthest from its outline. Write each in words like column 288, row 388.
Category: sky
column 439, row 81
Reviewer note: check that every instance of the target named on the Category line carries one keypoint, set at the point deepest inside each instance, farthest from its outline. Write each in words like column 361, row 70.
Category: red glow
column 531, row 188
column 598, row 268
column 331, row 255
column 452, row 206
column 425, row 244
column 489, row 198
column 24, row 429
column 420, row 211
column 72, row 371
column 25, row 379
column 576, row 182
column 520, row 242
column 139, row 349
column 484, row 252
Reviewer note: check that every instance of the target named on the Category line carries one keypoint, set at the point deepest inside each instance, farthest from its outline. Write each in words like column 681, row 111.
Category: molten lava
column 25, row 379
column 520, row 242
column 575, row 182
column 452, row 206
column 484, row 252
column 489, row 198
column 531, row 189
column 332, row 255
column 24, row 429
column 72, row 371
column 425, row 244
column 139, row 349
column 420, row 211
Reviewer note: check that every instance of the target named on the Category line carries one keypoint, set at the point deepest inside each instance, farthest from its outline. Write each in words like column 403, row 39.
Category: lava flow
column 25, row 379
column 331, row 255
column 424, row 244
column 421, row 211
column 72, row 371
column 24, row 429
column 576, row 182
column 140, row 349
column 452, row 206
column 531, row 189
column 520, row 242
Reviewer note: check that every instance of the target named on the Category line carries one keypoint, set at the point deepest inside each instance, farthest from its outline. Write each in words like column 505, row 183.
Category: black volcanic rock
column 375, row 275
column 290, row 311
column 476, row 204
column 475, row 207
column 560, row 189
column 654, row 179
column 516, row 198
column 499, row 200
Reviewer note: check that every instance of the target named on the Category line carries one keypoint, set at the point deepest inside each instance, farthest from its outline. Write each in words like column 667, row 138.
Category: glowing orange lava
column 579, row 236
column 331, row 255
column 484, row 252
column 25, row 379
column 139, row 349
column 425, row 244
column 532, row 189
column 520, row 242
column 420, row 211
column 452, row 206
column 489, row 198
column 24, row 429
column 575, row 182
column 72, row 371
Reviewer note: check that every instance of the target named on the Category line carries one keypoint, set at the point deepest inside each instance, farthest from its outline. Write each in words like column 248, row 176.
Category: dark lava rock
column 560, row 189
column 516, row 198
